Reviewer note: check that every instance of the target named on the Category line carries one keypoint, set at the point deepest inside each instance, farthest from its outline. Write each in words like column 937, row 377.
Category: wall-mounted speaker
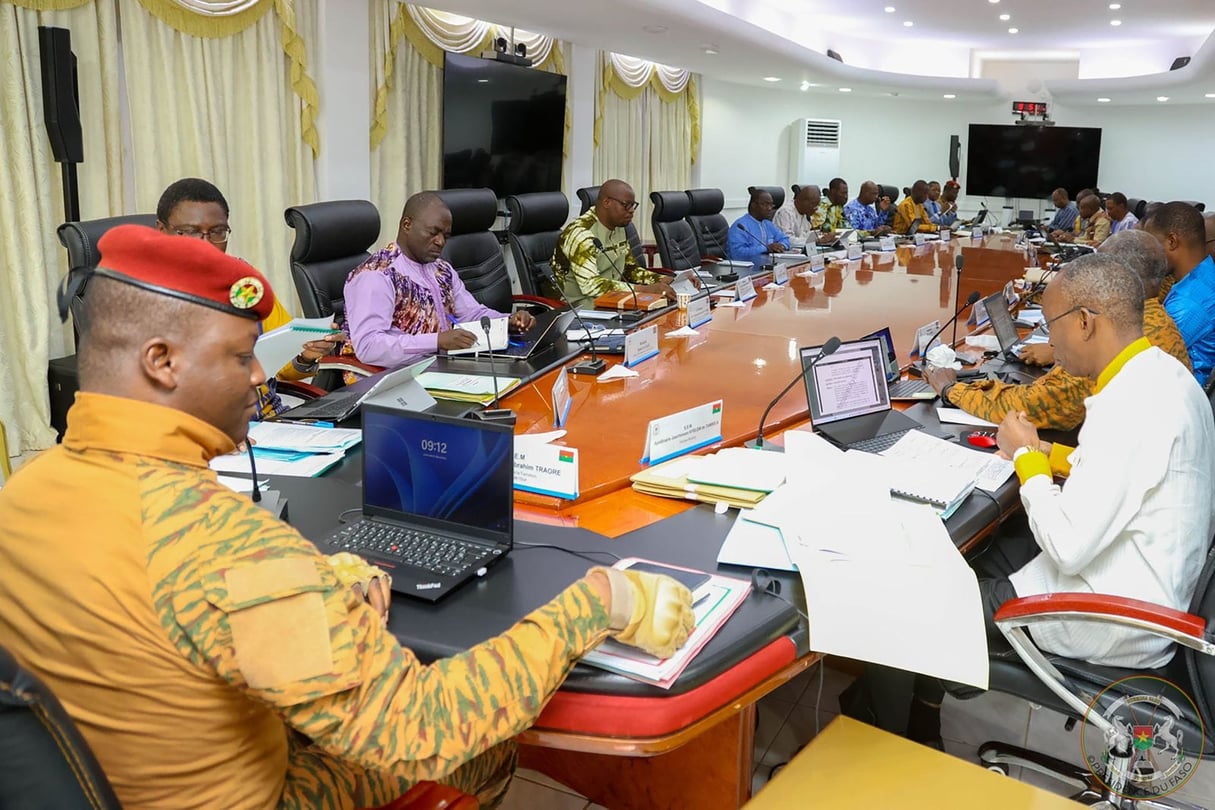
column 1180, row 62
column 955, row 156
column 60, row 94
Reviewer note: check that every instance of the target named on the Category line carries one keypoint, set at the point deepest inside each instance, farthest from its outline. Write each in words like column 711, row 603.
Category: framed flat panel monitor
column 1031, row 161
column 503, row 126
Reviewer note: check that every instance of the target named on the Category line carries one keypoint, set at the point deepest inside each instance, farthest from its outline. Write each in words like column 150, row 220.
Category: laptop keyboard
column 878, row 443
column 438, row 554
column 908, row 388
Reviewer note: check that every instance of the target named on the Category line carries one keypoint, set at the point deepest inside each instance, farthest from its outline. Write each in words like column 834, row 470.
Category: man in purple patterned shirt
column 404, row 302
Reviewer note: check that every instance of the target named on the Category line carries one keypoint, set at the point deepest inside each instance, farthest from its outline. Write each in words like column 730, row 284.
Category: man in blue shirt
column 753, row 236
column 867, row 213
column 1191, row 300
column 1064, row 219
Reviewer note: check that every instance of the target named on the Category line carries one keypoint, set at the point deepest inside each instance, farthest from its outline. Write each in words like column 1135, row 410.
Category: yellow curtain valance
column 629, row 77
column 48, row 5
column 432, row 32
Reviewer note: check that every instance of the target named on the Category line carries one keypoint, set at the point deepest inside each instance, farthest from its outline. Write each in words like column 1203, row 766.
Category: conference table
column 619, row 742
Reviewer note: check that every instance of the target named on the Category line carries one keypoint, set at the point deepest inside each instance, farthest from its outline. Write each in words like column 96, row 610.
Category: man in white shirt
column 1135, row 516
column 793, row 218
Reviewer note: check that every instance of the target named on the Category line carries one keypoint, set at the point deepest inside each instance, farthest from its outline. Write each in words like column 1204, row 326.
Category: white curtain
column 623, row 152
column 240, row 128
column 31, row 259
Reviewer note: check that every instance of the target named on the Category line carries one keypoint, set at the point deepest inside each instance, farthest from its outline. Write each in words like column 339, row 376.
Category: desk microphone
column 693, row 266
column 624, row 314
column 753, row 237
column 970, row 300
column 957, row 291
column 707, row 232
column 493, row 412
column 828, row 348
column 724, row 278
column 595, row 366
column 257, row 495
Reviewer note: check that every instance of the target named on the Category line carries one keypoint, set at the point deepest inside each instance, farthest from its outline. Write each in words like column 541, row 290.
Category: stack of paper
column 465, row 387
column 712, row 480
column 275, row 348
column 287, row 448
column 498, row 336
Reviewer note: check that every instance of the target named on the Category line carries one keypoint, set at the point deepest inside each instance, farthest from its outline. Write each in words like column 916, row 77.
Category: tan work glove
column 649, row 611
column 367, row 581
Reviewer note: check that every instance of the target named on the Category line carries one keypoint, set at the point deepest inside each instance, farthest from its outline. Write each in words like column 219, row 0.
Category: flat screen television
column 1030, row 161
column 503, row 126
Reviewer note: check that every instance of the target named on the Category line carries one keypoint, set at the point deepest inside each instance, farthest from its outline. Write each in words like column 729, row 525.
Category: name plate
column 546, row 469
column 682, row 432
column 886, row 244
column 922, row 336
column 698, row 311
column 745, row 288
column 854, row 251
column 977, row 233
column 945, row 234
column 640, row 345
column 816, row 261
column 561, row 399
column 920, row 239
column 780, row 274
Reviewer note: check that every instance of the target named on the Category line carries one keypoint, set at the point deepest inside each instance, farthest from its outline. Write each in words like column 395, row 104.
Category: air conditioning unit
column 814, row 151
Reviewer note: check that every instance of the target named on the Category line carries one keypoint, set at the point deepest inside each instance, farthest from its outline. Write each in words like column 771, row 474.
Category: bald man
column 1064, row 219
column 404, row 302
column 794, row 217
column 586, row 270
column 911, row 208
column 1092, row 227
column 869, row 212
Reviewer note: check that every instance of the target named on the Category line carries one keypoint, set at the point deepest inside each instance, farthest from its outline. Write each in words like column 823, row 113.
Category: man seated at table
column 1093, row 225
column 1056, row 399
column 831, row 216
column 262, row 676
column 795, row 219
column 869, row 212
column 1134, row 518
column 1120, row 215
column 1065, row 216
column 586, row 270
column 911, row 208
column 196, row 209
column 1191, row 299
column 404, row 301
column 753, row 236
column 1209, row 221
column 941, row 212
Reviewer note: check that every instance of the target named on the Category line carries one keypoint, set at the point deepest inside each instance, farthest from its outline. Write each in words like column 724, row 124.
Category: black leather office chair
column 777, row 192
column 587, row 197
column 1071, row 686
column 331, row 239
column 676, row 240
column 535, row 224
column 1136, row 206
column 708, row 225
column 44, row 762
column 473, row 250
column 889, row 191
column 1201, row 206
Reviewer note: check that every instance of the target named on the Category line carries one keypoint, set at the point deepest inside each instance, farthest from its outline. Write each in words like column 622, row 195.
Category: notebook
column 848, row 398
column 438, row 499
column 345, row 402
column 548, row 329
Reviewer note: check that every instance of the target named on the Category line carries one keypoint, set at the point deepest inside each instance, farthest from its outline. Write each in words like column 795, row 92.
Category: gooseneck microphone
column 828, row 348
column 624, row 314
column 957, row 291
column 256, row 495
column 757, row 241
column 595, row 366
column 707, row 233
column 493, row 412
column 970, row 301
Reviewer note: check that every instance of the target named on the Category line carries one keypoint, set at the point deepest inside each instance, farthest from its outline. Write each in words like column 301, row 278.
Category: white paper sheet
column 498, row 336
column 303, row 437
column 987, row 470
column 617, row 372
column 957, row 416
column 308, row 467
column 683, row 331
column 741, row 468
column 754, row 545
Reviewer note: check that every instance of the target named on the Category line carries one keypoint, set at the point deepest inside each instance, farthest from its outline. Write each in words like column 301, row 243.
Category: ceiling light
column 1013, row 30
column 805, row 86
column 1115, row 6
column 1115, row 22
column 1210, row 95
column 772, row 78
column 993, row 2
column 950, row 95
column 845, row 89
column 711, row 51
column 1104, row 100
column 1162, row 98
column 1005, row 17
column 890, row 9
column 654, row 29
column 907, row 23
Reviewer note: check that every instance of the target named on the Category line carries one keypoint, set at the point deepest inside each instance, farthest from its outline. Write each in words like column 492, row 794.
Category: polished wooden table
column 744, row 357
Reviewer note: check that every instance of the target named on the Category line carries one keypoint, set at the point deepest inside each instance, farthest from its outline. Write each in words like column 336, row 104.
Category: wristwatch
column 1028, row 448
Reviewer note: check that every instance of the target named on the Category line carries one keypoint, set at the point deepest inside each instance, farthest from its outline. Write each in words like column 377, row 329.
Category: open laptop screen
column 439, row 472
column 851, row 382
column 892, row 360
column 1001, row 320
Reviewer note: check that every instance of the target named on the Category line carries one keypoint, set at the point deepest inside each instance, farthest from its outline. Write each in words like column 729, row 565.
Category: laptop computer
column 345, row 402
column 1009, row 338
column 547, row 329
column 438, row 499
column 911, row 389
column 848, row 398
column 914, row 226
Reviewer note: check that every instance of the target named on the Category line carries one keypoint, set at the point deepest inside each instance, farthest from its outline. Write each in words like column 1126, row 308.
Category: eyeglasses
column 216, row 236
column 1046, row 324
column 628, row 206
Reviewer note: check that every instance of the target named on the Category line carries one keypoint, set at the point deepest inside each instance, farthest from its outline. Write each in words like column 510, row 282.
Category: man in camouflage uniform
column 1056, row 399
column 209, row 654
column 585, row 271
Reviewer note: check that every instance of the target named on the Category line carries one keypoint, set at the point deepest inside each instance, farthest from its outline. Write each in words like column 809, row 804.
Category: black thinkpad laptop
column 1010, row 341
column 548, row 328
column 849, row 402
column 438, row 499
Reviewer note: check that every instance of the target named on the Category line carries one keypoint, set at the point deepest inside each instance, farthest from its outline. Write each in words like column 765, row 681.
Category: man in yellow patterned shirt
column 210, row 655
column 911, row 208
column 585, row 270
column 1056, row 399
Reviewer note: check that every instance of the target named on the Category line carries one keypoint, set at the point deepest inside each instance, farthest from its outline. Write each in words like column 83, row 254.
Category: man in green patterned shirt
column 585, row 271
column 830, row 215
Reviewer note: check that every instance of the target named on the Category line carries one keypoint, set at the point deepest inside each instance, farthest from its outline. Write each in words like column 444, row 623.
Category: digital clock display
column 430, row 446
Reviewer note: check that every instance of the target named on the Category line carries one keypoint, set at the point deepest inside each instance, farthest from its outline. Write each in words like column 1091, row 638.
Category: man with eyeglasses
column 1133, row 519
column 1056, row 399
column 1191, row 299
column 753, row 235
column 196, row 209
column 586, row 270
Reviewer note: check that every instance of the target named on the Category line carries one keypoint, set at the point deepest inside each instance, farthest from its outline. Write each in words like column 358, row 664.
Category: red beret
column 184, row 268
